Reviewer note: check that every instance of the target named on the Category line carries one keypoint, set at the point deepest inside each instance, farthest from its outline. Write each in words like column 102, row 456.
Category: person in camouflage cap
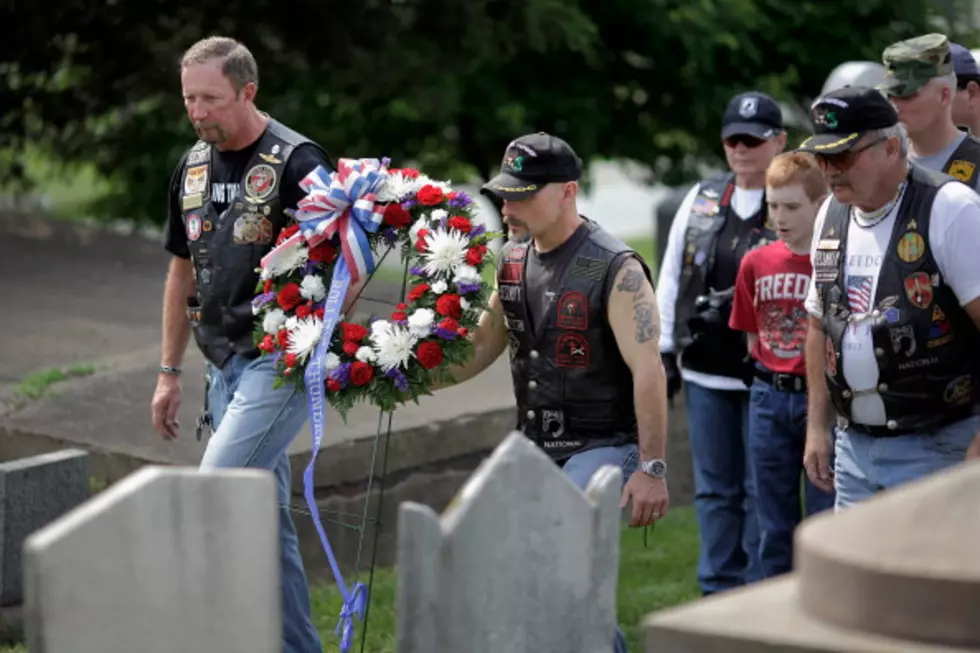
column 921, row 82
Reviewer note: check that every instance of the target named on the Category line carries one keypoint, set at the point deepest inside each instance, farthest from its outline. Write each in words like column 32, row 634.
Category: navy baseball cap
column 752, row 114
column 963, row 62
column 530, row 163
column 841, row 117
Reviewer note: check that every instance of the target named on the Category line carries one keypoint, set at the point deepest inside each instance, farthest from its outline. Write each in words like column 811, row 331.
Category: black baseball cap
column 841, row 117
column 531, row 162
column 752, row 114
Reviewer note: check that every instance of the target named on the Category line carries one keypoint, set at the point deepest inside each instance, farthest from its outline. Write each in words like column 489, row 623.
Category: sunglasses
column 844, row 160
column 750, row 142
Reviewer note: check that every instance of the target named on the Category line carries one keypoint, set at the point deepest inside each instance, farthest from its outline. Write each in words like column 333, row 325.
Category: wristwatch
column 656, row 468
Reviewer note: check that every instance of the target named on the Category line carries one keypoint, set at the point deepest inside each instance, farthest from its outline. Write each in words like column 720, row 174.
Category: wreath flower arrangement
column 346, row 218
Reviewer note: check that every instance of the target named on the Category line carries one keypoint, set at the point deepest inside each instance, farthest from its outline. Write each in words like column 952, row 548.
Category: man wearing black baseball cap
column 966, row 105
column 894, row 306
column 720, row 219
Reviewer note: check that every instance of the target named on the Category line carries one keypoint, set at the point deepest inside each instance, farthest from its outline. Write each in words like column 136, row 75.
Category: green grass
column 36, row 385
column 657, row 576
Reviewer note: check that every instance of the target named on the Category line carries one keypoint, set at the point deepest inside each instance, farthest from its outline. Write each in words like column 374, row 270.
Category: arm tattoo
column 643, row 308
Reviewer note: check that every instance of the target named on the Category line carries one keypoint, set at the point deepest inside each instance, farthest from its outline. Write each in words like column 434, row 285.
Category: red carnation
column 289, row 297
column 351, row 347
column 282, row 339
column 430, row 195
column 448, row 305
column 429, row 354
column 416, row 293
column 420, row 244
column 303, row 311
column 460, row 223
column 410, row 173
column 399, row 316
column 449, row 324
column 475, row 254
column 396, row 216
column 268, row 344
column 318, row 312
column 451, row 195
column 267, row 285
column 290, row 360
column 333, row 385
column 323, row 253
column 353, row 332
column 287, row 232
column 463, row 331
column 361, row 373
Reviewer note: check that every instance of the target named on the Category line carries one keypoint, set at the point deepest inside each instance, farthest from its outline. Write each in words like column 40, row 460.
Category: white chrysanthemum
column 438, row 214
column 422, row 180
column 420, row 322
column 446, row 251
column 312, row 288
column 333, row 361
column 304, row 336
column 396, row 187
column 392, row 345
column 365, row 354
column 465, row 305
column 291, row 322
column 439, row 287
column 285, row 260
column 467, row 274
column 273, row 321
column 417, row 226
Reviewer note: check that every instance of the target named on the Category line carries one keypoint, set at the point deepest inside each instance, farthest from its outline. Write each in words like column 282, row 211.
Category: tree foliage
column 443, row 83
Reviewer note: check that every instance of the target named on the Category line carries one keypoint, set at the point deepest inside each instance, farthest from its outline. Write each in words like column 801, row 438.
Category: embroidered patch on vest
column 514, row 324
column 195, row 180
column 940, row 331
column 962, row 170
column 260, row 181
column 511, row 273
column 252, row 229
column 831, row 356
column 591, row 269
column 193, row 224
column 918, row 289
column 515, row 344
column 704, row 206
column 553, row 422
column 194, row 201
column 572, row 351
column 573, row 311
column 198, row 155
column 911, row 247
column 509, row 293
column 959, row 391
column 270, row 158
column 903, row 340
column 207, row 225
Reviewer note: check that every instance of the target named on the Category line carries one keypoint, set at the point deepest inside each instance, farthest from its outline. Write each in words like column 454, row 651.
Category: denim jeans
column 254, row 424
column 866, row 465
column 581, row 467
column 724, row 491
column 777, row 436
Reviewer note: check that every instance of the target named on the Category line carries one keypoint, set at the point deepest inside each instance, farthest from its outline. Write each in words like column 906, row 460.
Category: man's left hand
column 973, row 451
column 649, row 497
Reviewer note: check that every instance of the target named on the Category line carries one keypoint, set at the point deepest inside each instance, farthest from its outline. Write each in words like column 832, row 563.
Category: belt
column 878, row 430
column 782, row 382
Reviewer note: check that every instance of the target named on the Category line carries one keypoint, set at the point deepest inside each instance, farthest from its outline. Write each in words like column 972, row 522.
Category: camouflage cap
column 910, row 64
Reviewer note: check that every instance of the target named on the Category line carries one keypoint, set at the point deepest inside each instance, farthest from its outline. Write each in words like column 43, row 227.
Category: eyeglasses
column 750, row 142
column 844, row 160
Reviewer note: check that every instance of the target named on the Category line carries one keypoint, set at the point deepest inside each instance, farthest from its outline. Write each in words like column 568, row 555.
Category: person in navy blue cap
column 966, row 104
column 719, row 220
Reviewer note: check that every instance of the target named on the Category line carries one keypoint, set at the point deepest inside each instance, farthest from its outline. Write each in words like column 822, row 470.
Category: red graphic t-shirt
column 769, row 293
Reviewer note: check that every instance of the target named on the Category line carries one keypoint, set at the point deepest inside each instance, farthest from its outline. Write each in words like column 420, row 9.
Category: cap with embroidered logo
column 841, row 117
column 530, row 163
column 752, row 114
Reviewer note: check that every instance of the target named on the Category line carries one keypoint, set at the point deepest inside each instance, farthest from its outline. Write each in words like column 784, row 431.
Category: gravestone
column 521, row 561
column 898, row 573
column 165, row 560
column 33, row 492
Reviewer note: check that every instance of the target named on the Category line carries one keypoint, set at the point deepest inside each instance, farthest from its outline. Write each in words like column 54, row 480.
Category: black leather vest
column 923, row 340
column 574, row 390
column 226, row 248
column 964, row 161
column 715, row 242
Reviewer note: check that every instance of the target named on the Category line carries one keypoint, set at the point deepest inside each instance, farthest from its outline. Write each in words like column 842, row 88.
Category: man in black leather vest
column 720, row 220
column 894, row 306
column 966, row 104
column 921, row 82
column 228, row 194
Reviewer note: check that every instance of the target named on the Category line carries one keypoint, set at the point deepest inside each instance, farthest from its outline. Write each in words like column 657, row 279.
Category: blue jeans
column 724, row 491
column 866, row 465
column 777, row 436
column 581, row 467
column 254, row 424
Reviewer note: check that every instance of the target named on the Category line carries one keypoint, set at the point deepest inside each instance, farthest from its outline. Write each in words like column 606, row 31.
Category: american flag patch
column 591, row 269
column 705, row 206
column 859, row 293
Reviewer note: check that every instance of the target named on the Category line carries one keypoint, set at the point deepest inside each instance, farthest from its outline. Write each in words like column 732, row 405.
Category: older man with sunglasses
column 894, row 306
column 717, row 223
column 921, row 81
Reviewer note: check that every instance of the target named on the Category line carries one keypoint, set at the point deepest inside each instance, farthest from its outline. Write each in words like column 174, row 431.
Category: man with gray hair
column 921, row 83
column 894, row 306
column 227, row 206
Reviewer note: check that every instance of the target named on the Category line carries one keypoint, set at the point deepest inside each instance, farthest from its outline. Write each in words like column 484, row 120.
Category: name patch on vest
column 573, row 311
column 509, row 293
column 572, row 351
column 511, row 273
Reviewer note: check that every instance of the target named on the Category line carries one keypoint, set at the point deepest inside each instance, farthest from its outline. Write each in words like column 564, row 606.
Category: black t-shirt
column 544, row 271
column 227, row 170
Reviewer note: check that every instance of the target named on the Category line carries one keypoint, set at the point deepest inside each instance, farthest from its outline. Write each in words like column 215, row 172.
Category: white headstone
column 521, row 561
column 167, row 559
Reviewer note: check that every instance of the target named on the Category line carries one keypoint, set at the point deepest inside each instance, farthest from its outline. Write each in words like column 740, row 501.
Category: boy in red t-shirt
column 770, row 291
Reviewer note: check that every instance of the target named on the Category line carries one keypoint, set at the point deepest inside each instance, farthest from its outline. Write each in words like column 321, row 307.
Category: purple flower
column 478, row 230
column 385, row 161
column 263, row 299
column 418, row 271
column 461, row 200
column 446, row 334
column 401, row 381
column 341, row 374
column 408, row 204
column 467, row 288
column 390, row 236
column 310, row 267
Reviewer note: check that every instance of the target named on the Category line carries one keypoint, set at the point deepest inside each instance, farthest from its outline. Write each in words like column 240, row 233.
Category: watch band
column 169, row 369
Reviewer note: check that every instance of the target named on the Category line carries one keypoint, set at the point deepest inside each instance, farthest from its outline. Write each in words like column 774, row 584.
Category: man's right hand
column 673, row 374
column 816, row 460
column 163, row 408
